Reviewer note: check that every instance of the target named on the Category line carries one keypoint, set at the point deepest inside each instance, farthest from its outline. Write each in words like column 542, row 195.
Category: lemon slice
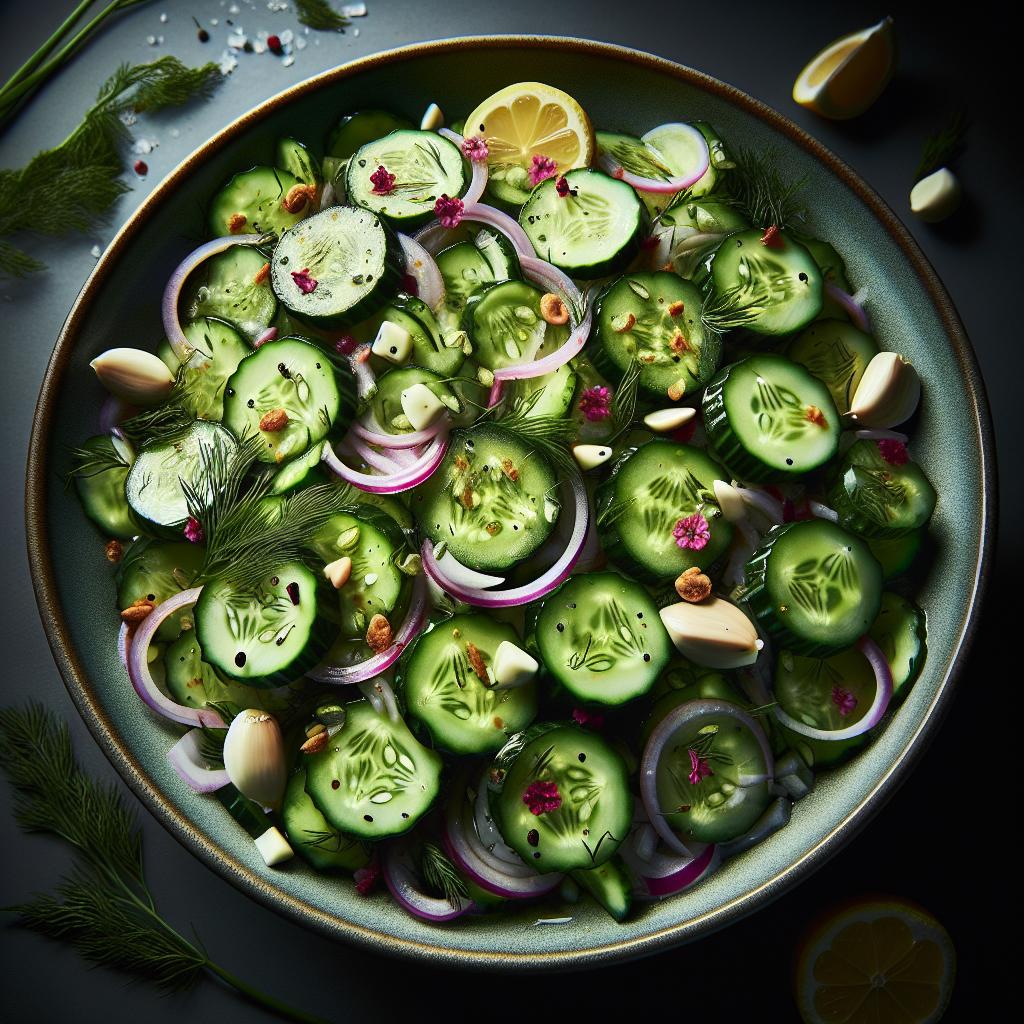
column 849, row 75
column 876, row 962
column 531, row 119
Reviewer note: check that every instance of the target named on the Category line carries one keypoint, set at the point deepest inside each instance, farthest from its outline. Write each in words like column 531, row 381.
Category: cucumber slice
column 440, row 688
column 320, row 844
column 600, row 636
column 723, row 803
column 610, row 886
column 267, row 637
column 258, row 195
column 374, row 779
column 877, row 498
column 655, row 318
column 557, row 391
column 230, row 291
column 356, row 130
column 779, row 287
column 102, row 494
column 353, row 259
column 500, row 255
column 705, row 216
column 590, row 787
column 428, row 346
column 633, row 155
column 221, row 348
column 814, row 587
column 154, row 482
column 288, row 374
column 386, row 403
column 674, row 147
column 896, row 555
column 468, row 266
column 505, row 325
column 837, row 353
column 425, row 165
column 833, row 271
column 767, row 418
column 293, row 157
column 491, row 500
column 900, row 631
column 827, row 693
column 651, row 488
column 301, row 472
column 155, row 570
column 592, row 232
column 509, row 185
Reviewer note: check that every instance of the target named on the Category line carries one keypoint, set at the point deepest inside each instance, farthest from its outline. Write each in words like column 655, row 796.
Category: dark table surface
column 932, row 843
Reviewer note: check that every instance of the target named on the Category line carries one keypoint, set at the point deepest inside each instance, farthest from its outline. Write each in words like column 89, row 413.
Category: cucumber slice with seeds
column 504, row 323
column 428, row 343
column 374, row 779
column 155, row 571
column 235, row 289
column 258, row 196
column 220, row 348
column 386, row 403
column 491, row 500
column 900, row 632
column 837, row 353
column 440, row 687
column 592, row 232
column 102, row 494
column 655, row 319
column 651, row 488
column 313, row 837
column 600, row 636
column 767, row 418
column 830, row 693
column 813, row 586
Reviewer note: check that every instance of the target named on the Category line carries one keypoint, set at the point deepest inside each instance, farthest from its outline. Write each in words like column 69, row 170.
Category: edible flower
column 692, row 532
column 542, row 168
column 474, row 147
column 448, row 210
column 844, row 700
column 587, row 719
column 383, row 181
column 699, row 767
column 894, row 452
column 303, row 281
column 596, row 403
column 194, row 532
column 542, row 797
column 366, row 878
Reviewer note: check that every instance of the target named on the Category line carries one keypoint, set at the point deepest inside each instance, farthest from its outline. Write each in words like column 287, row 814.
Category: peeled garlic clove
column 730, row 501
column 590, row 456
column 935, row 197
column 339, row 571
column 715, row 633
column 663, row 420
column 254, row 757
column 432, row 119
column 888, row 393
column 133, row 375
column 512, row 666
column 393, row 343
column 421, row 406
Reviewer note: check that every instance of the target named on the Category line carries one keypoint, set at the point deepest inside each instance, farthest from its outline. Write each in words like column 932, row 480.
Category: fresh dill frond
column 172, row 417
column 614, row 510
column 731, row 309
column 942, row 146
column 86, row 462
column 758, row 189
column 550, row 435
column 319, row 15
column 440, row 874
column 623, row 409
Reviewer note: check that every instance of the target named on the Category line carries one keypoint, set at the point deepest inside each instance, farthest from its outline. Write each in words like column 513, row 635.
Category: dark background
column 938, row 841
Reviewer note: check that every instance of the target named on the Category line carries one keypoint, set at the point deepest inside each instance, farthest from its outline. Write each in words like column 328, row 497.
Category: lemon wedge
column 527, row 120
column 848, row 75
column 876, row 962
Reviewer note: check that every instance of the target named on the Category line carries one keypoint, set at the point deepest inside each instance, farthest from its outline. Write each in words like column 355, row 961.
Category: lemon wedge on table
column 849, row 75
column 875, row 962
column 527, row 120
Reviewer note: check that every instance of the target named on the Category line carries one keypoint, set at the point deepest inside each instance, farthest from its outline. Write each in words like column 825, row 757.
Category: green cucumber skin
column 103, row 496
column 301, row 819
column 354, row 130
column 609, row 885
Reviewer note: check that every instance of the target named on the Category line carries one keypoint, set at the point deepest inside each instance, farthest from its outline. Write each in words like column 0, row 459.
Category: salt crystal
column 142, row 146
column 151, row 40
column 214, row 22
column 276, row 6
column 355, row 32
column 228, row 62
column 127, row 118
column 236, row 40
column 175, row 132
column 300, row 43
column 354, row 10
column 163, row 19
column 259, row 47
column 288, row 61
column 287, row 36
column 95, row 252
column 234, row 9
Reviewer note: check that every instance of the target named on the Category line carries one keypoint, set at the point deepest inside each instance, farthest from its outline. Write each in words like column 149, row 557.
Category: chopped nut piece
column 678, row 343
column 298, row 196
column 262, row 274
column 467, row 496
column 273, row 421
column 627, row 325
column 114, row 550
column 771, row 238
column 693, row 586
column 137, row 611
column 476, row 661
column 461, row 463
column 676, row 308
column 316, row 743
column 815, row 415
column 493, row 528
column 677, row 390
column 553, row 310
column 509, row 470
column 236, row 222
column 378, row 634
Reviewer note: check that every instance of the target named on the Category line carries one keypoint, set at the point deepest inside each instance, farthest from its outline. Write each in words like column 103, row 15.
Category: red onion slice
column 172, row 291
column 661, row 738
column 466, row 577
column 413, row 439
column 187, row 760
column 401, row 480
column 381, row 697
column 420, row 265
column 871, row 718
column 138, row 664
column 413, row 624
column 673, row 184
column 662, row 875
column 542, row 585
column 402, row 879
column 378, row 460
column 851, row 305
column 366, row 379
column 821, row 511
column 270, row 334
column 478, row 182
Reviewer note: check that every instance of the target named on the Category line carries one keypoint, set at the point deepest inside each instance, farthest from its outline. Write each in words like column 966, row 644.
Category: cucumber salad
column 511, row 510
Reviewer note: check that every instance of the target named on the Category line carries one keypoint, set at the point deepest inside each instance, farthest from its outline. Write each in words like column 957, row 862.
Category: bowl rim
column 87, row 700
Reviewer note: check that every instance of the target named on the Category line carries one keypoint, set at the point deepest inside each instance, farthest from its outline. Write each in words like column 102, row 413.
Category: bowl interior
column 619, row 90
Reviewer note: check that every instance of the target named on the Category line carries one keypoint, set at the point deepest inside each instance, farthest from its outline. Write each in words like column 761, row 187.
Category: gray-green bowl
column 912, row 314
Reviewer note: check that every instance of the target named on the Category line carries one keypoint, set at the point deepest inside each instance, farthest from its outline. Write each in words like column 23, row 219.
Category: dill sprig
column 104, row 907
column 758, row 189
column 86, row 462
column 171, row 418
column 550, row 435
column 319, row 15
column 731, row 309
column 942, row 146
column 440, row 874
column 623, row 409
column 71, row 187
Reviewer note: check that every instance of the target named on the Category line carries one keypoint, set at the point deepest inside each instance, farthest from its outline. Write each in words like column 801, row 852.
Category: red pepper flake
column 346, row 345
column 562, row 188
column 293, row 592
column 772, row 238
column 193, row 531
column 542, row 797
column 815, row 415
column 141, row 168
column 587, row 719
column 366, row 878
column 274, row 45
column 448, row 210
column 676, row 308
column 533, row 837
column 894, row 452
column 541, row 168
column 679, row 344
column 383, row 181
column 303, row 281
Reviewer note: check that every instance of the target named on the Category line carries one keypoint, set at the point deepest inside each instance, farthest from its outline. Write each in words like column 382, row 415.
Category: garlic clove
column 393, row 343
column 512, row 666
column 133, row 375
column 714, row 634
column 254, row 757
column 661, row 421
column 590, row 456
column 887, row 394
column 273, row 847
column 935, row 197
column 730, row 501
column 339, row 571
column 432, row 119
column 421, row 406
